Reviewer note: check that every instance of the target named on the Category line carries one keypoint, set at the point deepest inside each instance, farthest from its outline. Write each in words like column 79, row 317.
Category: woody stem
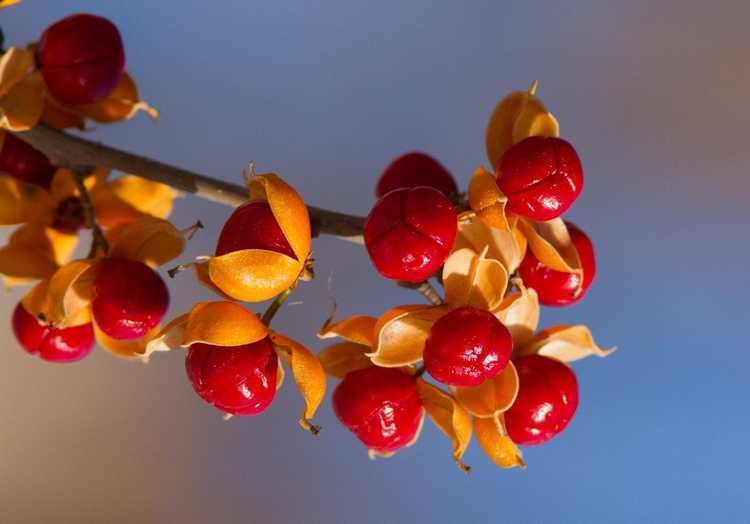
column 66, row 150
column 98, row 240
column 426, row 289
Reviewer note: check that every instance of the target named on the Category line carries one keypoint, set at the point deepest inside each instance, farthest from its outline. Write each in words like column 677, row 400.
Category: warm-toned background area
column 654, row 96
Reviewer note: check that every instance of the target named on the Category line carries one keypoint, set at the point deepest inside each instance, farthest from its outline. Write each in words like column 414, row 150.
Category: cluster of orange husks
column 498, row 251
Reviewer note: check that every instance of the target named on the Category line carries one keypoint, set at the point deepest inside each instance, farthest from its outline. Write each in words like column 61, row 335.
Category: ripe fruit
column 51, row 344
column 466, row 347
column 82, row 58
column 253, row 226
column 380, row 406
column 130, row 298
column 557, row 288
column 21, row 161
column 547, row 400
column 69, row 216
column 240, row 380
column 541, row 176
column 413, row 170
column 409, row 233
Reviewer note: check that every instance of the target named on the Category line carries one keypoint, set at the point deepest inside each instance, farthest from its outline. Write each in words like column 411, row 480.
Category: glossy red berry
column 466, row 347
column 409, row 233
column 253, row 226
column 130, row 298
column 21, row 161
column 557, row 288
column 547, row 400
column 239, row 380
column 541, row 176
column 380, row 406
column 82, row 58
column 51, row 344
column 413, row 170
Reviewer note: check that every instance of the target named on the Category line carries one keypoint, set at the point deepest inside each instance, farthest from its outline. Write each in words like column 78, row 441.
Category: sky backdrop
column 652, row 94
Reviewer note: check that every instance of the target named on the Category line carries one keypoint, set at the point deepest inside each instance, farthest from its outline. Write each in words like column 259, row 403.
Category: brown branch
column 66, row 150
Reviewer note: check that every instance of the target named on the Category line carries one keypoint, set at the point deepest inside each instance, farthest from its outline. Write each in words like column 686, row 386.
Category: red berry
column 21, row 161
column 69, row 215
column 547, row 400
column 240, row 380
column 541, row 176
column 253, row 226
column 466, row 347
column 51, row 344
column 130, row 298
column 413, row 170
column 82, row 58
column 380, row 406
column 409, row 233
column 557, row 288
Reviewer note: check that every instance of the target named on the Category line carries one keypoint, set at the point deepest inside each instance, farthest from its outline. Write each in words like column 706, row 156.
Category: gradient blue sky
column 653, row 95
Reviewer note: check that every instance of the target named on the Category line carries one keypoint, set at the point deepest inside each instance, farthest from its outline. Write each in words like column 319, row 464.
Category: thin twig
column 66, row 150
column 429, row 292
column 275, row 305
column 98, row 240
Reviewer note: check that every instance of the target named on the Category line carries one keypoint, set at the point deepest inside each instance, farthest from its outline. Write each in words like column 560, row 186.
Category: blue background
column 653, row 95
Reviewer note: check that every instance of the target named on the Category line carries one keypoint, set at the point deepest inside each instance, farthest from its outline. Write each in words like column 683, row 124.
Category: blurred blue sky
column 326, row 94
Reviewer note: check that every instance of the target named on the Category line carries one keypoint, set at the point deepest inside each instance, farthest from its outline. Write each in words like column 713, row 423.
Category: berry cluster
column 498, row 251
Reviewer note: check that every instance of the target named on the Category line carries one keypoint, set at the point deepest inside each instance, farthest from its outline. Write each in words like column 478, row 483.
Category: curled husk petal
column 340, row 359
column 21, row 90
column 288, row 209
column 130, row 349
column 253, row 275
column 486, row 199
column 359, row 329
column 507, row 246
column 308, row 374
column 493, row 396
column 22, row 203
column 551, row 243
column 153, row 241
column 518, row 115
column 519, row 312
column 69, row 294
column 8, row 3
column 472, row 279
column 449, row 416
column 565, row 343
column 34, row 252
column 122, row 104
column 130, row 198
column 218, row 323
column 495, row 442
column 401, row 334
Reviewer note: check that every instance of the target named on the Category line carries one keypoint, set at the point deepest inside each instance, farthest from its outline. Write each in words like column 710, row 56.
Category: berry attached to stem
column 541, row 176
column 547, row 400
column 21, row 161
column 466, row 347
column 380, row 406
column 130, row 298
column 82, row 58
column 253, row 226
column 409, row 233
column 51, row 344
column 413, row 170
column 557, row 288
column 239, row 380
